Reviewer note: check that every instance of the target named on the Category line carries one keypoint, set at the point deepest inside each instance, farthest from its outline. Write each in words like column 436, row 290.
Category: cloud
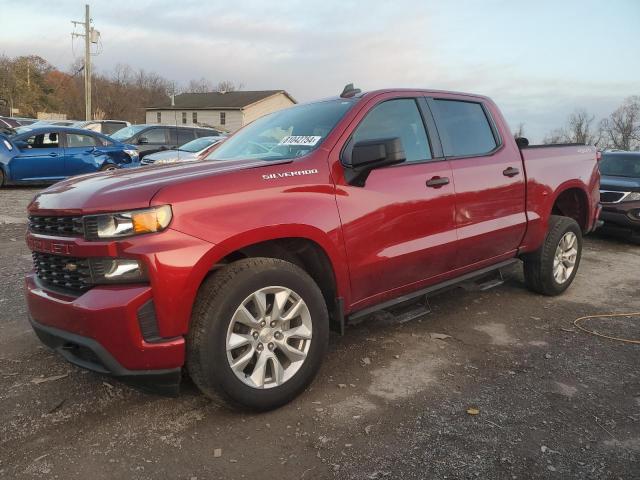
column 537, row 72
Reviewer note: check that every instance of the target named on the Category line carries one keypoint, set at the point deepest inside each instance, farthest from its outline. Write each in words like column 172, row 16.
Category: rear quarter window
column 464, row 128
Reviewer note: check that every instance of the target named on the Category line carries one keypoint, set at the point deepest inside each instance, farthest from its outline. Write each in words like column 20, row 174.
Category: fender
column 539, row 212
column 264, row 234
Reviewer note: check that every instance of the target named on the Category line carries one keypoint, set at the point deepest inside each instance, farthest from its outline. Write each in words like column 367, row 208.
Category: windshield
column 127, row 132
column 620, row 165
column 284, row 134
column 198, row 144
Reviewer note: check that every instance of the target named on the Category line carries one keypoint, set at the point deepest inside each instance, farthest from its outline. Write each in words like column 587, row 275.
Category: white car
column 191, row 151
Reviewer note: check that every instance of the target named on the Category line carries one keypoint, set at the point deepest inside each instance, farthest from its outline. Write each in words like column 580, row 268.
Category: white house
column 223, row 110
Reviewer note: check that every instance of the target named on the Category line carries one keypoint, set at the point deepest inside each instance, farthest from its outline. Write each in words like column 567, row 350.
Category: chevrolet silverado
column 233, row 270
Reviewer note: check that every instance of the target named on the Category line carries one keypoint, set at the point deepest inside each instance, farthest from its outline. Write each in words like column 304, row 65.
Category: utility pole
column 90, row 36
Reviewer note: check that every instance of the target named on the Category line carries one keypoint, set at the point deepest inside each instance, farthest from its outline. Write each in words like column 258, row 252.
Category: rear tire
column 219, row 315
column 1, row 178
column 551, row 269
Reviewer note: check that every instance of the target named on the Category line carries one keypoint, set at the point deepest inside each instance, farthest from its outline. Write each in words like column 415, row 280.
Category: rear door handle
column 510, row 172
column 437, row 182
column 53, row 154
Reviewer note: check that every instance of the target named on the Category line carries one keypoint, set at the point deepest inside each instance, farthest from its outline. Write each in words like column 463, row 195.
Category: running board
column 438, row 288
column 493, row 279
column 410, row 310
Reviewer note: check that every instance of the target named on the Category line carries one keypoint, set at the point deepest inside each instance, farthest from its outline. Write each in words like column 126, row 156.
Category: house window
column 194, row 117
column 159, row 117
column 184, row 117
column 223, row 118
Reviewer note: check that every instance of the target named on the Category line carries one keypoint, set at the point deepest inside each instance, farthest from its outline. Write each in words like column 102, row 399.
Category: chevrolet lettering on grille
column 47, row 246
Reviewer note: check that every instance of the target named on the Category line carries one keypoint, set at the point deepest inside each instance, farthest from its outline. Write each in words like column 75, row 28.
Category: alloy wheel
column 269, row 336
column 564, row 260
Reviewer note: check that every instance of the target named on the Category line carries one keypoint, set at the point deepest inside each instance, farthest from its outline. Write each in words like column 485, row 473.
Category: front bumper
column 100, row 331
column 622, row 217
column 88, row 353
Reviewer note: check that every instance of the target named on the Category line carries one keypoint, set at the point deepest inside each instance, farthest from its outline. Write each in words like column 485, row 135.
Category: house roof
column 218, row 100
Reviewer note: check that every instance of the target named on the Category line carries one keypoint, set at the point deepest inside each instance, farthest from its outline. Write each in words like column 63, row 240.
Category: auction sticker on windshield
column 300, row 140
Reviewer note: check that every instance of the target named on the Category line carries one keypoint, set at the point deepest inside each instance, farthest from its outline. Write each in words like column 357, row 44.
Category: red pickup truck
column 235, row 268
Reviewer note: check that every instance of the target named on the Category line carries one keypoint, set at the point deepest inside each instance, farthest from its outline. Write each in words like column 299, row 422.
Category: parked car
column 62, row 123
column 306, row 218
column 24, row 120
column 8, row 126
column 620, row 193
column 151, row 138
column 191, row 151
column 45, row 123
column 108, row 127
column 50, row 154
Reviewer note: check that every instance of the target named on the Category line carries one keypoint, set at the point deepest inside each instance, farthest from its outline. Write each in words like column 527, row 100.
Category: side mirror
column 143, row 141
column 368, row 155
column 522, row 142
column 21, row 144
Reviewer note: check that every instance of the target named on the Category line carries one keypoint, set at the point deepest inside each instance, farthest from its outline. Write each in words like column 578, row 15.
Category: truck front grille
column 63, row 272
column 86, row 227
column 57, row 226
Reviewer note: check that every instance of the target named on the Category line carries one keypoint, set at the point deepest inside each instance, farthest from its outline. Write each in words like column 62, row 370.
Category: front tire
column 259, row 331
column 108, row 167
column 551, row 269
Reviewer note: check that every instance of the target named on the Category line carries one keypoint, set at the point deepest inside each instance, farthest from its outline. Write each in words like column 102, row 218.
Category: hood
column 620, row 184
column 127, row 189
column 172, row 155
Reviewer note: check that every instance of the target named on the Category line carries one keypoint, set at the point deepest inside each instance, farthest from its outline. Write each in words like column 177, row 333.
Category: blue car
column 49, row 154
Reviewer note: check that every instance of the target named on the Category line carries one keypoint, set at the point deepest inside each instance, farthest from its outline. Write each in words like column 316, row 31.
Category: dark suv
column 620, row 192
column 154, row 138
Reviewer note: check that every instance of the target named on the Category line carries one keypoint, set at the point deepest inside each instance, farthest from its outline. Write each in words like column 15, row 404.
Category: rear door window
column 155, row 136
column 396, row 118
column 75, row 140
column 464, row 128
column 112, row 127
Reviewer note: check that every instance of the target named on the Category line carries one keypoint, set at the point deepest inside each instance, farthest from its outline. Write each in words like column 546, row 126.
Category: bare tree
column 580, row 129
column 519, row 132
column 199, row 86
column 622, row 128
column 229, row 86
column 555, row 136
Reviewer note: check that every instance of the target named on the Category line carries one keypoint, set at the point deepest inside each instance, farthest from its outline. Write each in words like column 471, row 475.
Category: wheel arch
column 310, row 249
column 572, row 201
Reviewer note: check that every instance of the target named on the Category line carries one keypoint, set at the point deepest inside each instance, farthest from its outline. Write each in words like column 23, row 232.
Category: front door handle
column 510, row 172
column 53, row 154
column 437, row 182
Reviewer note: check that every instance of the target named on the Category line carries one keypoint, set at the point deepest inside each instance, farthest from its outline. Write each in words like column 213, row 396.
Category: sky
column 538, row 59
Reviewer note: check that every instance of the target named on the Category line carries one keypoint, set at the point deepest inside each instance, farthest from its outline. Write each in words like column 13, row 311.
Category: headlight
column 116, row 270
column 126, row 224
column 133, row 154
column 161, row 161
column 632, row 197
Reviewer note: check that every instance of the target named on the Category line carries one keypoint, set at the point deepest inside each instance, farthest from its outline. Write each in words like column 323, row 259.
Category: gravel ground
column 390, row 402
